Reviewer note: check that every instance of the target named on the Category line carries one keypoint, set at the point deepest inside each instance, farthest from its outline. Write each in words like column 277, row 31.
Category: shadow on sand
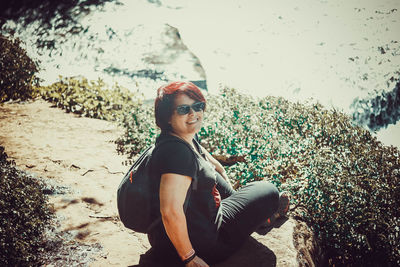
column 253, row 253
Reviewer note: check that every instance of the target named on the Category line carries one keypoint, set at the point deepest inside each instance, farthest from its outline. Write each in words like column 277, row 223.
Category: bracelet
column 190, row 258
column 187, row 255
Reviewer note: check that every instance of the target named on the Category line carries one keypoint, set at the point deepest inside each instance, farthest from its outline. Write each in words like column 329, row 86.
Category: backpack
column 134, row 195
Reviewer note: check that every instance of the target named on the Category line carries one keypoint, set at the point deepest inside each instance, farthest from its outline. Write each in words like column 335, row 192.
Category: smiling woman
column 169, row 99
column 187, row 119
column 203, row 220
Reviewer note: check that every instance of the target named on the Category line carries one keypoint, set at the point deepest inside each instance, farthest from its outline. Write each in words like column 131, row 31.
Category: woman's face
column 187, row 124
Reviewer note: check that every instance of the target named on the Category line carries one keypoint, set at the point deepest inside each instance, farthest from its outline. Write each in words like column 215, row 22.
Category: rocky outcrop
column 308, row 251
column 163, row 57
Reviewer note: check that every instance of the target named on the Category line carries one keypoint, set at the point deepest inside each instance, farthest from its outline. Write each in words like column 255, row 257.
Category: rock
column 308, row 251
column 160, row 56
column 174, row 57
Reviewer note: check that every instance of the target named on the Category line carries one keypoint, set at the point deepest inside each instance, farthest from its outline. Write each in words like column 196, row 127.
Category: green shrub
column 345, row 184
column 17, row 71
column 91, row 98
column 256, row 135
column 140, row 131
column 24, row 214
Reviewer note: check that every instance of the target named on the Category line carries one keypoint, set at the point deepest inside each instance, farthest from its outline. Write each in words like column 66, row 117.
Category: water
column 332, row 51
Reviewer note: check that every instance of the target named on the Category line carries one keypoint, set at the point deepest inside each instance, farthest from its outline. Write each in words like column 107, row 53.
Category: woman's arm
column 218, row 167
column 173, row 190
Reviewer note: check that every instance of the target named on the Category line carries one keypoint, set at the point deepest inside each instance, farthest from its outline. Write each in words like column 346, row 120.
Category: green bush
column 24, row 214
column 345, row 184
column 140, row 131
column 91, row 98
column 95, row 100
column 17, row 71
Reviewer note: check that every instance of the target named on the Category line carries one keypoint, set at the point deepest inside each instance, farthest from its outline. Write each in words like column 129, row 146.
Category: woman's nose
column 191, row 111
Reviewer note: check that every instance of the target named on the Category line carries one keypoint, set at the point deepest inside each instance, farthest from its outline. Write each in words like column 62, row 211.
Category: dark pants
column 243, row 212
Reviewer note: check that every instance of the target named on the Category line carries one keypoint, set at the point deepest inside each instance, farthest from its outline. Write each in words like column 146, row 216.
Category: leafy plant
column 95, row 100
column 17, row 70
column 91, row 98
column 345, row 184
column 140, row 131
column 24, row 214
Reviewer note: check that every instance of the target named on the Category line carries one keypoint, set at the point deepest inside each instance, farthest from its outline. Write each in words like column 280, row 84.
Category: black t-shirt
column 203, row 215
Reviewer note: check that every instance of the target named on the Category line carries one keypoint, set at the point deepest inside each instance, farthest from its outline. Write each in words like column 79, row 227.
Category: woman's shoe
column 283, row 208
column 284, row 203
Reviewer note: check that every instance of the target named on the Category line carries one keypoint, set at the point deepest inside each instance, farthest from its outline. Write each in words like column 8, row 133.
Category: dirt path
column 79, row 154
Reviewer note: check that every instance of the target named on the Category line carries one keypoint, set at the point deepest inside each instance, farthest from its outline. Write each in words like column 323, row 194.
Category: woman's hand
column 197, row 262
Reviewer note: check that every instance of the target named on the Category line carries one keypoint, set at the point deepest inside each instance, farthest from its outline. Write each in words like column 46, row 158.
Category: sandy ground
column 78, row 153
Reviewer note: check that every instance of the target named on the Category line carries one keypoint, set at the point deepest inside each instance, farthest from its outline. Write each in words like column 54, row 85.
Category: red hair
column 165, row 101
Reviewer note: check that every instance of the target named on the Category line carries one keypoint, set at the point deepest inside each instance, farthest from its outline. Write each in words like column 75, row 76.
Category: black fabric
column 243, row 212
column 202, row 216
column 135, row 193
column 223, row 187
column 174, row 157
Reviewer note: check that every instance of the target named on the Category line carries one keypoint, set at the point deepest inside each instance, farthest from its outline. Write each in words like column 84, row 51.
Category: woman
column 203, row 219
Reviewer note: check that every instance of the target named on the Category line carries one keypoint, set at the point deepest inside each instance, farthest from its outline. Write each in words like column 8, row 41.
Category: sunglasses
column 185, row 109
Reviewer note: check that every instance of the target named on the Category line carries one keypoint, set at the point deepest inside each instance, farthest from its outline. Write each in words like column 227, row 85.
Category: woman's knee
column 268, row 194
column 265, row 193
